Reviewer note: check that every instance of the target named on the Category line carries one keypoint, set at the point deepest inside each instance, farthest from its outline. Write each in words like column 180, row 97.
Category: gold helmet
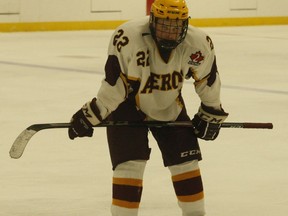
column 169, row 22
column 170, row 9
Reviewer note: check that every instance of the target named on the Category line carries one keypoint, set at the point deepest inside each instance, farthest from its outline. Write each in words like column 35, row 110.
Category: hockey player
column 148, row 61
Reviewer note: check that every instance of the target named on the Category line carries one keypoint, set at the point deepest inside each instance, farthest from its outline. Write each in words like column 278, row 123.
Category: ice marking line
column 252, row 36
column 50, row 67
column 255, row 89
column 270, row 91
column 101, row 73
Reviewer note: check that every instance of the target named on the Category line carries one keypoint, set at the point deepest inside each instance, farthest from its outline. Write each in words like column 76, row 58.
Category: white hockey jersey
column 134, row 58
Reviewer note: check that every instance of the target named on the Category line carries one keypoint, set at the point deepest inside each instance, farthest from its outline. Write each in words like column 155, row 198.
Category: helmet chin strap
column 167, row 44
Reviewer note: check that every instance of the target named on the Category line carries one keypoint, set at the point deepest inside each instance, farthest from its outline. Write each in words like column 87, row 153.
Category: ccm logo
column 189, row 153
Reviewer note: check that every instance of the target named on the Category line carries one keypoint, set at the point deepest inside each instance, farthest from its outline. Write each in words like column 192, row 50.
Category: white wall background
column 237, row 8
column 92, row 10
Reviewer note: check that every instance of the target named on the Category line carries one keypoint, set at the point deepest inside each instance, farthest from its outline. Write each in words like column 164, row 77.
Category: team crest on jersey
column 196, row 58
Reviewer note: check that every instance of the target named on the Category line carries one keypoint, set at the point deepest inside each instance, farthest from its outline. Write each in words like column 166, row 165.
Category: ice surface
column 47, row 76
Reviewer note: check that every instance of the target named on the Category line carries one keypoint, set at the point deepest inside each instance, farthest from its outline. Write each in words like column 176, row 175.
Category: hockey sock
column 127, row 188
column 188, row 187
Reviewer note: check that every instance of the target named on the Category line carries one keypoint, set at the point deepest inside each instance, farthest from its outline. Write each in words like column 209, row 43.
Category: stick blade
column 20, row 143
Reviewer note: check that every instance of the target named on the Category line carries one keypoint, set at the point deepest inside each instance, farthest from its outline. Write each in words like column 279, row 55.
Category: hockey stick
column 22, row 140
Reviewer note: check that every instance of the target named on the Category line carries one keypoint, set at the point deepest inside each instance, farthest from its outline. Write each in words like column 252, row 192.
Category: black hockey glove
column 207, row 122
column 82, row 122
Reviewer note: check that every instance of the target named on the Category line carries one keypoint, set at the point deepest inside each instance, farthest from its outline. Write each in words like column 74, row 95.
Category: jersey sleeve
column 207, row 80
column 209, row 87
column 114, row 88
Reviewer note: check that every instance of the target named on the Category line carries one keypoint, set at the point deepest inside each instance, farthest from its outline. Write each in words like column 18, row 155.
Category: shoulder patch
column 196, row 58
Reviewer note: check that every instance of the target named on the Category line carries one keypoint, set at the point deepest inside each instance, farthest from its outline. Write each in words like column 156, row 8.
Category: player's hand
column 207, row 122
column 82, row 121
column 80, row 126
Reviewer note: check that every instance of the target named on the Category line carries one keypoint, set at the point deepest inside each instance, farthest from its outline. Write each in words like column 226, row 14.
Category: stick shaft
column 246, row 125
column 22, row 140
